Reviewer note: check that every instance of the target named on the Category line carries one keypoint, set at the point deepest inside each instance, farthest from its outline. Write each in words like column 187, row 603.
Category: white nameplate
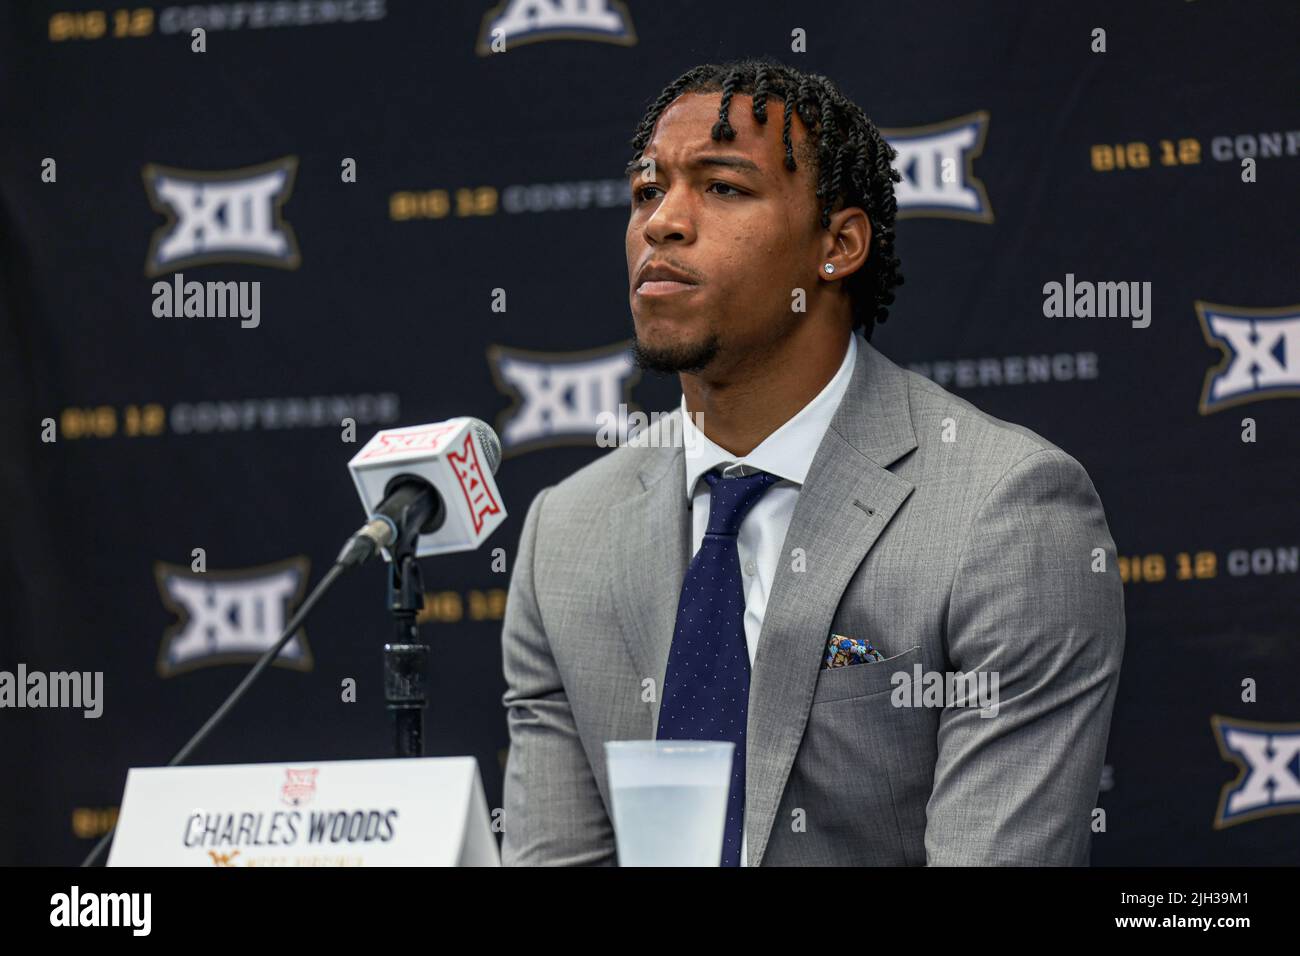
column 425, row 811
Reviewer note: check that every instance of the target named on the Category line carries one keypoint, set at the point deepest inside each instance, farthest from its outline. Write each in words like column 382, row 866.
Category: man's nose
column 673, row 218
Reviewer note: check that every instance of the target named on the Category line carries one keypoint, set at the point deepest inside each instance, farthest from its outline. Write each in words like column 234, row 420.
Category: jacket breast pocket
column 861, row 680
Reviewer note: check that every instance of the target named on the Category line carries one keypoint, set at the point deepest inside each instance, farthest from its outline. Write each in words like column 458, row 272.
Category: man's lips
column 660, row 277
column 656, row 288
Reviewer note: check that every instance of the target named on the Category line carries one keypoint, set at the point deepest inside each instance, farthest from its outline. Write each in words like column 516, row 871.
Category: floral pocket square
column 842, row 651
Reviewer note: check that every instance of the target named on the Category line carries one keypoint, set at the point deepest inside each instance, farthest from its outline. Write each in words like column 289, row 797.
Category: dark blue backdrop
column 479, row 171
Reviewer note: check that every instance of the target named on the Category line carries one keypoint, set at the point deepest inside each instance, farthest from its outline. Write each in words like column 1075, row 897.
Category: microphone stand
column 406, row 658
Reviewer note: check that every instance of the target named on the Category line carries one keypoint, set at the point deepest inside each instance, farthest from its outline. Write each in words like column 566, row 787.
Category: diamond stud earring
column 829, row 268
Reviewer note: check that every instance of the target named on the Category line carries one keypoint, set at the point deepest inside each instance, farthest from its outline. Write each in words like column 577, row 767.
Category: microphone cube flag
column 449, row 456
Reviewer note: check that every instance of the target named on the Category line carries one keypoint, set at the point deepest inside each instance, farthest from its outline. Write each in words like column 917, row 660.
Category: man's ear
column 847, row 242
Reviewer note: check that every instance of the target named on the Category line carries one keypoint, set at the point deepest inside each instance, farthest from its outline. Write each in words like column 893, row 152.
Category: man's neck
column 739, row 411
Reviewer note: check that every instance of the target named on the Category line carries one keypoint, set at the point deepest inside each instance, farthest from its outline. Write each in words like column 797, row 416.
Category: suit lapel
column 847, row 500
column 649, row 563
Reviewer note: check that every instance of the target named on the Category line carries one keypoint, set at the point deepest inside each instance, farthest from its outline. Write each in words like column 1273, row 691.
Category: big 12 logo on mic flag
column 450, row 457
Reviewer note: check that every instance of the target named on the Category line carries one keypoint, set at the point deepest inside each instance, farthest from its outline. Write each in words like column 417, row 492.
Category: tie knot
column 731, row 498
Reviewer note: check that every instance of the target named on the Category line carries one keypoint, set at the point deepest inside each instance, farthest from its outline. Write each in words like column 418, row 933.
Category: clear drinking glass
column 670, row 800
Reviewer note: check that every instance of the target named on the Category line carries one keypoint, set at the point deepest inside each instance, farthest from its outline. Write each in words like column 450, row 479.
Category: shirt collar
column 787, row 452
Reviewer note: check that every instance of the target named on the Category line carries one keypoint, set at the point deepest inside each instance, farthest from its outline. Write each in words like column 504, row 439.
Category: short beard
column 688, row 358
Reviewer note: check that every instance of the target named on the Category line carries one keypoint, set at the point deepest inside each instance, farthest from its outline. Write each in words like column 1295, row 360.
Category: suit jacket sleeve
column 554, row 814
column 1019, row 788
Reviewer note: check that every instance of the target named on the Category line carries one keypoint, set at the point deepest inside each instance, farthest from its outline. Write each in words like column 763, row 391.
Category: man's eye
column 640, row 194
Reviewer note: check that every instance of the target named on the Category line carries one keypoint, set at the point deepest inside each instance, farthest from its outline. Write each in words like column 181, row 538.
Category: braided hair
column 850, row 158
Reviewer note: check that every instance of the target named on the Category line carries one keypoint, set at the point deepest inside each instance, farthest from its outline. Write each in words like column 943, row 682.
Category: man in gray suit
column 905, row 612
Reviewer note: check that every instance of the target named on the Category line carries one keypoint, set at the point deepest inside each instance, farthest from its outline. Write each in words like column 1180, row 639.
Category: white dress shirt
column 786, row 453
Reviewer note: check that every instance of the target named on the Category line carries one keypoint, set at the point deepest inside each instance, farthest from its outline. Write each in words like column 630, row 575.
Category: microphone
column 426, row 487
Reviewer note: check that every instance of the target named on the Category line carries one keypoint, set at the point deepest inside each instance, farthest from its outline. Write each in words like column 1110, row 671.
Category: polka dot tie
column 706, row 686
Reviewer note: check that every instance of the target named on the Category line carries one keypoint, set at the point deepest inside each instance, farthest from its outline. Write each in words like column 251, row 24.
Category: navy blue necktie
column 706, row 686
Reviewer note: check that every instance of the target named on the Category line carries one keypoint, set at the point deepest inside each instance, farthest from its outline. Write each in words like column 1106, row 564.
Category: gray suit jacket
column 979, row 553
